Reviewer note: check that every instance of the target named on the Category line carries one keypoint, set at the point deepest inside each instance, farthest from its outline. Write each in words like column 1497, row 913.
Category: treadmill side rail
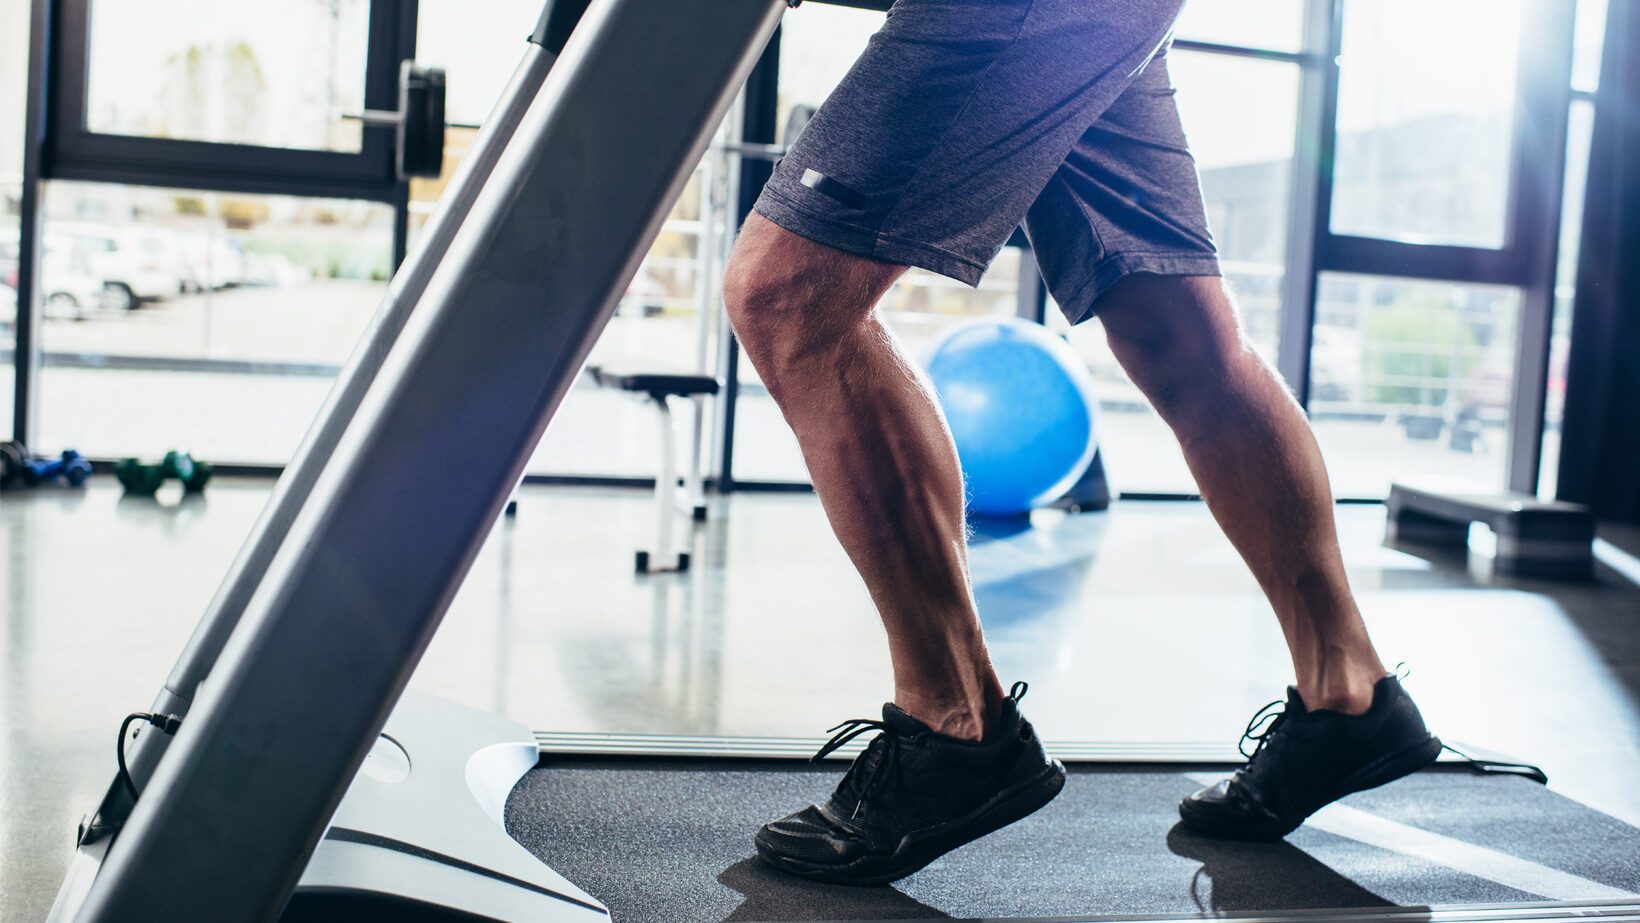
column 329, row 640
column 291, row 491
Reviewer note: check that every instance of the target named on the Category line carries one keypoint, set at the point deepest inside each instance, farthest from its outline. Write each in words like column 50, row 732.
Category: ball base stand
column 1090, row 493
column 420, row 834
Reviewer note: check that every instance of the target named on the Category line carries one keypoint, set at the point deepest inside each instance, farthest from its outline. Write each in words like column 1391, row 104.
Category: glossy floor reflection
column 1137, row 625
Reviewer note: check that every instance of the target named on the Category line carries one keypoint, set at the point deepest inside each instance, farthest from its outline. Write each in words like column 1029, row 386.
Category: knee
column 768, row 310
column 788, row 297
column 761, row 298
column 1172, row 328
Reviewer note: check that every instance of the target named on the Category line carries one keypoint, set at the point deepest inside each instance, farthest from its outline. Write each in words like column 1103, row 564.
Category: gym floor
column 1137, row 626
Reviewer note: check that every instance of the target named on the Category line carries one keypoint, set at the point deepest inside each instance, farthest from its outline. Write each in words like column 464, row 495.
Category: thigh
column 958, row 113
column 1126, row 199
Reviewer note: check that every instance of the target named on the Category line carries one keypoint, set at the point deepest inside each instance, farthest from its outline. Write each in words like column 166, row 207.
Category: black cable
column 119, row 755
column 1498, row 767
column 166, row 723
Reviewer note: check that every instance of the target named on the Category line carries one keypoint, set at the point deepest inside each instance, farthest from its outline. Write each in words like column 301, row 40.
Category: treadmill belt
column 670, row 840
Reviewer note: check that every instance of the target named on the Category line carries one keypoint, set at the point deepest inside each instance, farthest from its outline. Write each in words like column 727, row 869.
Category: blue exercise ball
column 1021, row 408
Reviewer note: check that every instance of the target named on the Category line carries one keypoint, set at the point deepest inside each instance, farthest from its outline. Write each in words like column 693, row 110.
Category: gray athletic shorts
column 964, row 117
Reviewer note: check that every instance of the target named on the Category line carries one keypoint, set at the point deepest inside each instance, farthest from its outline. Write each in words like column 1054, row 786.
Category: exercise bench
column 658, row 388
column 1535, row 538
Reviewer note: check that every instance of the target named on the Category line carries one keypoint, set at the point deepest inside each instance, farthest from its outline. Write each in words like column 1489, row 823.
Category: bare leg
column 880, row 455
column 1257, row 465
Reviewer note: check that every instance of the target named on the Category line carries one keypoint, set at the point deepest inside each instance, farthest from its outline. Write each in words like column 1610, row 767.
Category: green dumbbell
column 193, row 474
column 139, row 479
column 178, row 464
column 202, row 474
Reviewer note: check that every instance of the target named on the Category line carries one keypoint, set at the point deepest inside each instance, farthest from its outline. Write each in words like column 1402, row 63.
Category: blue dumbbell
column 71, row 467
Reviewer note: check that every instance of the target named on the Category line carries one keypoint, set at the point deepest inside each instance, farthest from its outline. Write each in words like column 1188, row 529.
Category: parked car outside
column 70, row 291
column 134, row 264
column 209, row 261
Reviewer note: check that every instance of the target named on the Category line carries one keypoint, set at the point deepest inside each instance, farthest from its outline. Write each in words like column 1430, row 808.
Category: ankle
column 965, row 717
column 963, row 725
column 1349, row 692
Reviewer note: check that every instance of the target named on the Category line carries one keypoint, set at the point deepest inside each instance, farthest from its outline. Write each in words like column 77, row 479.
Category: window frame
column 1527, row 259
column 56, row 145
column 73, row 152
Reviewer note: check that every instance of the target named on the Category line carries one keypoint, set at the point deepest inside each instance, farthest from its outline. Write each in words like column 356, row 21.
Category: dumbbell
column 70, row 466
column 193, row 474
column 144, row 480
column 139, row 479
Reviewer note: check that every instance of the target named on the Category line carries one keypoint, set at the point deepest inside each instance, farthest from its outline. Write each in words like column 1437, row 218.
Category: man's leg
column 1257, row 465
column 880, row 455
column 955, row 759
column 929, row 153
column 1350, row 726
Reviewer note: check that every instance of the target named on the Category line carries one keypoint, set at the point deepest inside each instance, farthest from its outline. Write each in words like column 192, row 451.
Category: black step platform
column 671, row 840
column 1535, row 538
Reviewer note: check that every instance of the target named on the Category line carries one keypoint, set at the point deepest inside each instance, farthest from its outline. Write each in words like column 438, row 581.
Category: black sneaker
column 1307, row 759
column 913, row 796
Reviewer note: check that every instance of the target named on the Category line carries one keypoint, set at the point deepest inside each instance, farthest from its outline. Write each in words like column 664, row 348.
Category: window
column 1411, row 377
column 1277, row 25
column 199, row 319
column 243, row 96
column 271, row 73
column 1426, row 119
column 479, row 55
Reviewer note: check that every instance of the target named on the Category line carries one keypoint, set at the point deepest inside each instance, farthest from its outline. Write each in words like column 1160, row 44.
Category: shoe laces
column 845, row 732
column 1262, row 728
column 881, row 769
column 887, row 745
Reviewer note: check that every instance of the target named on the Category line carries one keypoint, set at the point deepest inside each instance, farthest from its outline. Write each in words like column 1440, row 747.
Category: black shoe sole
column 918, row 849
column 1385, row 769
